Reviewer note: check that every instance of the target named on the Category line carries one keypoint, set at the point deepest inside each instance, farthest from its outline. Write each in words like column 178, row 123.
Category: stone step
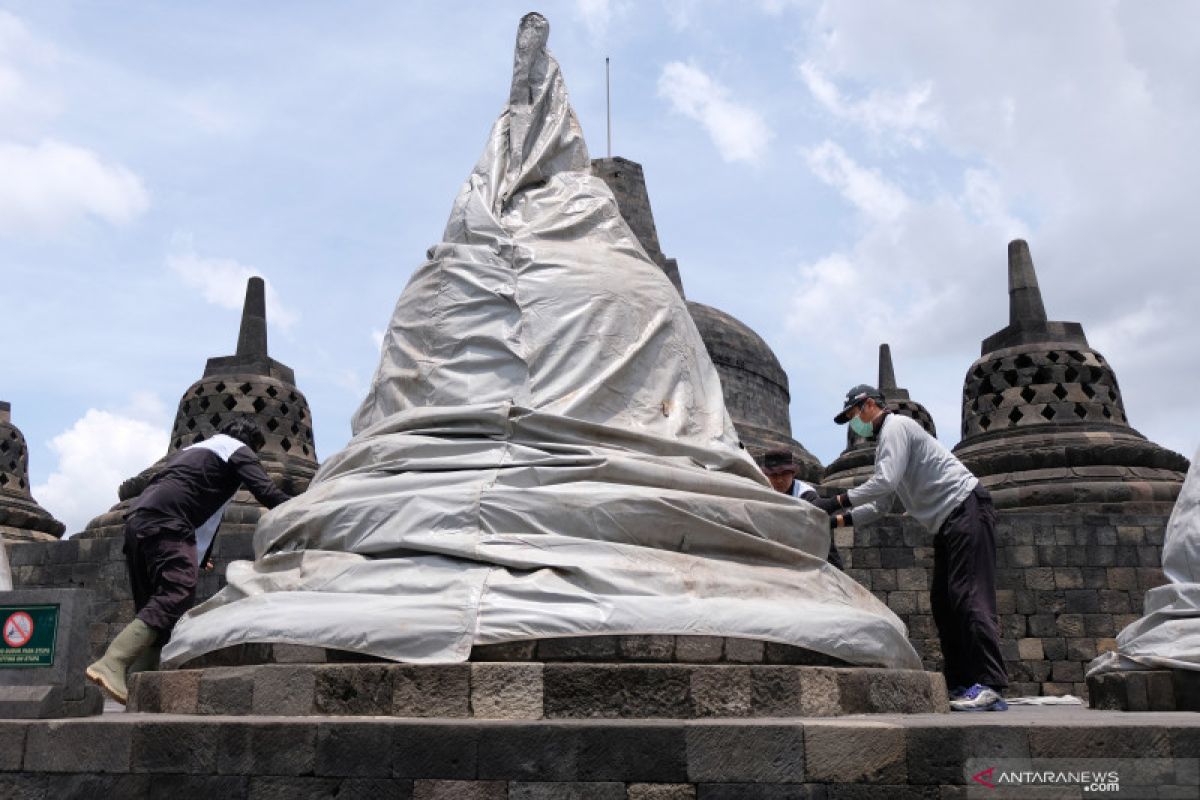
column 508, row 690
column 1146, row 690
column 618, row 649
column 138, row 756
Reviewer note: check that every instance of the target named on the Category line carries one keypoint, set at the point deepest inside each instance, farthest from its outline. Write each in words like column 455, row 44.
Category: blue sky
column 833, row 173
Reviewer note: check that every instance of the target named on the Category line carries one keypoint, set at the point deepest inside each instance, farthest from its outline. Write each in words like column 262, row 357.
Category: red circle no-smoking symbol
column 18, row 629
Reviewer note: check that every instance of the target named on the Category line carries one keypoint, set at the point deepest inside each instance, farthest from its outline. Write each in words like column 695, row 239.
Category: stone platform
column 538, row 691
column 928, row 756
column 1146, row 690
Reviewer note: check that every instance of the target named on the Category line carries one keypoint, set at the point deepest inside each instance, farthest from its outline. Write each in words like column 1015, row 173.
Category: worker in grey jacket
column 942, row 494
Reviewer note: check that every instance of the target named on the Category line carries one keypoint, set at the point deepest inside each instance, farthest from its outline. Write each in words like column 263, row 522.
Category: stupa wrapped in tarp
column 544, row 451
column 1168, row 635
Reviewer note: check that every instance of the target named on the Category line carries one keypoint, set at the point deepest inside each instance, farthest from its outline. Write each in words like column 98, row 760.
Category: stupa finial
column 5, row 411
column 252, row 337
column 1024, row 296
column 887, row 373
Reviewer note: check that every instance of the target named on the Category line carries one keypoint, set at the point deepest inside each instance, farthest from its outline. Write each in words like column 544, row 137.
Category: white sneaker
column 979, row 698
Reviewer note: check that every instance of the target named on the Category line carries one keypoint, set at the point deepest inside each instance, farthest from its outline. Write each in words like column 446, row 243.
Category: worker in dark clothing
column 942, row 494
column 780, row 467
column 190, row 491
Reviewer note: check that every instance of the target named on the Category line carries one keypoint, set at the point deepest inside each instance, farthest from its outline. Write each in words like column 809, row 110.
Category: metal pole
column 608, row 105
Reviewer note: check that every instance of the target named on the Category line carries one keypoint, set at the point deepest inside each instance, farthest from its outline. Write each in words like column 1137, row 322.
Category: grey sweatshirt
column 913, row 465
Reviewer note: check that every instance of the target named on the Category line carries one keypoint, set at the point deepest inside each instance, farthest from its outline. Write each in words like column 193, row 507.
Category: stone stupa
column 251, row 383
column 21, row 518
column 856, row 463
column 1043, row 421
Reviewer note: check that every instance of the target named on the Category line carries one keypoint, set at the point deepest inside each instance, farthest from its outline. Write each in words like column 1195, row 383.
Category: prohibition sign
column 18, row 629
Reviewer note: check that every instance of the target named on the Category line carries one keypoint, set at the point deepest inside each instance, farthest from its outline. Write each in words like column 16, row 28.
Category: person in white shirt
column 939, row 492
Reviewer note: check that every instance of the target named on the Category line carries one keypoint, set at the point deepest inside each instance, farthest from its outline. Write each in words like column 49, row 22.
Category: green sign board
column 27, row 635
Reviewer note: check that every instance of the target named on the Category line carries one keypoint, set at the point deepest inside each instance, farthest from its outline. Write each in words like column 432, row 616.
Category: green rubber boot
column 109, row 672
column 147, row 661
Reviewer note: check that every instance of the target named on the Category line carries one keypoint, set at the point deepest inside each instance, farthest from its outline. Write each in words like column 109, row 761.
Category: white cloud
column 739, row 132
column 907, row 115
column 97, row 453
column 53, row 184
column 866, row 189
column 222, row 282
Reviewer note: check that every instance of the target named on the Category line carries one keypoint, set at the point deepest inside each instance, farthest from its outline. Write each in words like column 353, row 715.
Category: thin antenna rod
column 608, row 105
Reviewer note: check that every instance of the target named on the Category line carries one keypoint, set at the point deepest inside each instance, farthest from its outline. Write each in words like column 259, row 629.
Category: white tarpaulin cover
column 544, row 451
column 1168, row 634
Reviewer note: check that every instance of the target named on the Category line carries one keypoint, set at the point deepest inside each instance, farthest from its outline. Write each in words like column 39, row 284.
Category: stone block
column 744, row 651
column 192, row 787
column 1087, row 742
column 188, row 747
column 1067, row 671
column 282, row 690
column 354, row 748
column 699, row 649
column 289, row 788
column 526, row 752
column 883, row 580
column 374, row 789
column 1068, row 578
column 1041, row 625
column 912, row 579
column 1030, row 649
column 435, row 690
column 81, row 746
column 460, row 791
column 353, row 690
column 578, row 648
column 771, row 753
column 1099, row 625
column 433, row 750
column 625, row 690
column 226, row 690
column 760, row 791
column 722, row 692
column 647, row 648
column 26, row 787
column 1039, row 578
column 1055, row 648
column 611, row 790
column 938, row 754
column 863, row 752
column 775, row 692
column 661, row 791
column 1081, row 649
column 641, row 751
column 507, row 691
column 1070, row 625
column 58, row 689
column 87, row 787
column 260, row 747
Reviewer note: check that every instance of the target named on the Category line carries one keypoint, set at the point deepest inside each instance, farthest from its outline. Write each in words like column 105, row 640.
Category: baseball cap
column 776, row 461
column 856, row 396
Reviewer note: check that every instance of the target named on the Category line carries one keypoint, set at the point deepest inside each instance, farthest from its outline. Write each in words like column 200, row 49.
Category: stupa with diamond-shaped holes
column 1043, row 421
column 249, row 382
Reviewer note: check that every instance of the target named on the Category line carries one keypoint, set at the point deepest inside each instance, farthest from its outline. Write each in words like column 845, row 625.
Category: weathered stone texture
column 1062, row 594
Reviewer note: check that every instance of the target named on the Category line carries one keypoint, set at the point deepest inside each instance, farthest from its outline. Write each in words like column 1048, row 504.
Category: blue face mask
column 864, row 429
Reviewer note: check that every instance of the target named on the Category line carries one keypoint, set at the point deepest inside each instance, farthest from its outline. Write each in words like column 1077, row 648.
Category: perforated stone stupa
column 754, row 384
column 857, row 461
column 249, row 382
column 21, row 518
column 1043, row 422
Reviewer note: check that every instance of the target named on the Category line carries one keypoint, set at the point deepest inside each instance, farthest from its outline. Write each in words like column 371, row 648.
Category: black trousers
column 161, row 556
column 963, row 596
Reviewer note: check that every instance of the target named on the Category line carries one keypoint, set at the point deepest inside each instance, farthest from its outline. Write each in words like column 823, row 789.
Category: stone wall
column 98, row 564
column 1066, row 584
